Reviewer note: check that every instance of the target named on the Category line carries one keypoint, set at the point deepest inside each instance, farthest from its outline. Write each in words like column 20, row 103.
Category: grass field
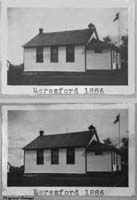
column 93, row 179
column 94, row 77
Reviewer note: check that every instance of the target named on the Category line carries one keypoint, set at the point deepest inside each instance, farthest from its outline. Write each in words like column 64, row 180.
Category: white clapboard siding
column 78, row 65
column 114, row 161
column 98, row 61
column 117, row 163
column 99, row 163
column 62, row 167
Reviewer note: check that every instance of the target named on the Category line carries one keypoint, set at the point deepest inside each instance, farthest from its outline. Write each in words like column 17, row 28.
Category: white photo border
column 108, row 191
column 94, row 90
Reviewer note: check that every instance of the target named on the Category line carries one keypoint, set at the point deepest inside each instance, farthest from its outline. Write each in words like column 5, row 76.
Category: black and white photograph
column 53, row 47
column 66, row 145
column 68, row 100
column 67, row 46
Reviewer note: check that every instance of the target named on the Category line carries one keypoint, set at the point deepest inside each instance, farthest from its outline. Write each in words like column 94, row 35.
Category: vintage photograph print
column 67, row 47
column 62, row 146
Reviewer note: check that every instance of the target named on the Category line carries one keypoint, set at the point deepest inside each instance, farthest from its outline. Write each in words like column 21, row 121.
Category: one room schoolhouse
column 70, row 153
column 70, row 51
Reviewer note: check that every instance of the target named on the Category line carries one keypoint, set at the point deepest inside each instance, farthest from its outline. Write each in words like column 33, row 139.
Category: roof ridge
column 66, row 133
column 64, row 31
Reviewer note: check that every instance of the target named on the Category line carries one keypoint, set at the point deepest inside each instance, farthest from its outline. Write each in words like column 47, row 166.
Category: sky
column 24, row 126
column 24, row 23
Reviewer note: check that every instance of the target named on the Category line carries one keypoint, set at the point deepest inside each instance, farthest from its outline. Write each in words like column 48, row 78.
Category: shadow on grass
column 92, row 179
column 94, row 77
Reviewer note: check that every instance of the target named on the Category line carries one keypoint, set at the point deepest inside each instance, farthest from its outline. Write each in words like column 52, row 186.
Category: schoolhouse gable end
column 73, row 153
column 70, row 51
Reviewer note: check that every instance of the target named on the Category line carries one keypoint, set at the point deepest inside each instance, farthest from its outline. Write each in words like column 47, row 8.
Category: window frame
column 39, row 55
column 69, row 57
column 98, row 153
column 54, row 161
column 53, row 56
column 40, row 157
column 98, row 51
column 70, row 159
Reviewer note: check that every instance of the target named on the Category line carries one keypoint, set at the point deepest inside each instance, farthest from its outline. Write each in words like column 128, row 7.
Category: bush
column 16, row 170
column 16, row 68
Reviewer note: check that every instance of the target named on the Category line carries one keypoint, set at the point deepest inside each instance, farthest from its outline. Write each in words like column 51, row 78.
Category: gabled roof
column 98, row 44
column 76, row 139
column 98, row 146
column 73, row 37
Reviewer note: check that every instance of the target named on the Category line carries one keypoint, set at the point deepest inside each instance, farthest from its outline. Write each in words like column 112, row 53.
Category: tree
column 124, row 40
column 124, row 141
column 107, row 39
column 124, row 50
column 124, row 150
column 107, row 141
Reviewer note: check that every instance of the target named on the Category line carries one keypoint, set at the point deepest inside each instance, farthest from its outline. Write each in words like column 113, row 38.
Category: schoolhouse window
column 97, row 50
column 40, row 156
column 70, row 54
column 54, row 54
column 70, row 155
column 54, row 156
column 39, row 54
column 98, row 153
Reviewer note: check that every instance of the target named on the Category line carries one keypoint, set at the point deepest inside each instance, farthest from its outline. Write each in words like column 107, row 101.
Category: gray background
column 5, row 99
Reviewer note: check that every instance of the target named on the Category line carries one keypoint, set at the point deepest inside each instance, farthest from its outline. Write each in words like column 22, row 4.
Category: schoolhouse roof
column 76, row 139
column 98, row 44
column 98, row 146
column 63, row 38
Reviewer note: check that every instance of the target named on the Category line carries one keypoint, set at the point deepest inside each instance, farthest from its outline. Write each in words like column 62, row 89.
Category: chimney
column 93, row 28
column 40, row 30
column 41, row 133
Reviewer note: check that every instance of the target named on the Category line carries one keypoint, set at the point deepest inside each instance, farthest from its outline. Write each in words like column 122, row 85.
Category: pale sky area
column 24, row 126
column 24, row 23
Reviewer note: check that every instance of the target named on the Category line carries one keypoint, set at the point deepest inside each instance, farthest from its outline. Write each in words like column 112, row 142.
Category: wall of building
column 114, row 161
column 31, row 65
column 116, row 60
column 99, row 163
column 62, row 167
column 98, row 61
column 117, row 162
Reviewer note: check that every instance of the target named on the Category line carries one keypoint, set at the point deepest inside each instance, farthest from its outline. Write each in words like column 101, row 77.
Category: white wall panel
column 31, row 65
column 62, row 167
column 98, row 61
column 99, row 163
